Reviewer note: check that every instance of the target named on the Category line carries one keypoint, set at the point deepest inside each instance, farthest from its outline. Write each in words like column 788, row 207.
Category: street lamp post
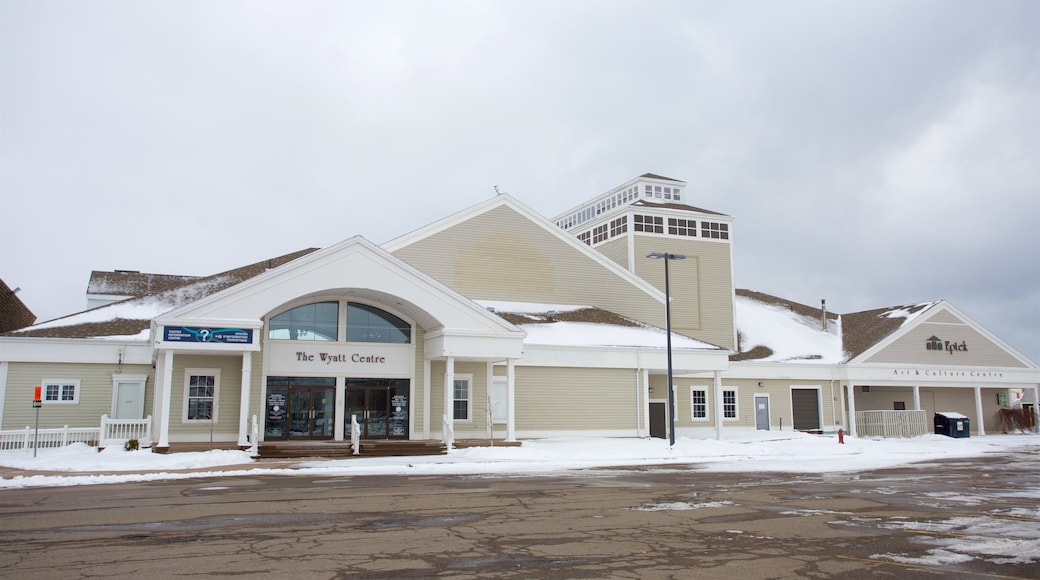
column 668, row 330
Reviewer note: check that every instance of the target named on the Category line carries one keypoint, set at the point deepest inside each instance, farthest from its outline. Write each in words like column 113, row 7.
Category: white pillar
column 449, row 395
column 852, row 409
column 511, row 400
column 646, row 400
column 917, row 397
column 339, row 430
column 244, row 399
column 164, row 413
column 426, row 399
column 978, row 411
column 718, row 404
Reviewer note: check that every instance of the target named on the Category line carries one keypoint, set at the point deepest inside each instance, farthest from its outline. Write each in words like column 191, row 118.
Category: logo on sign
column 199, row 334
column 936, row 343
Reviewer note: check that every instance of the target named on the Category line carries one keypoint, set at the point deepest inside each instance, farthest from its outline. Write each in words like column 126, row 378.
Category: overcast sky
column 873, row 153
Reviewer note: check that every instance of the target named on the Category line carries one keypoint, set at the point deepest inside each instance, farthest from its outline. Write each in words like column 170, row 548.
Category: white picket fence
column 111, row 432
column 892, row 423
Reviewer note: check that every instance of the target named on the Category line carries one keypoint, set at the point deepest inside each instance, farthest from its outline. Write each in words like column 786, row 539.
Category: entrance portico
column 346, row 332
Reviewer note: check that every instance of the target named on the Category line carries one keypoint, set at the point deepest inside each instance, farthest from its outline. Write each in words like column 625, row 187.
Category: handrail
column 355, row 434
column 119, row 431
column 449, row 433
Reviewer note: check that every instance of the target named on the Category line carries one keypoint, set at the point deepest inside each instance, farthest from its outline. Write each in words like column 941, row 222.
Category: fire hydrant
column 841, row 436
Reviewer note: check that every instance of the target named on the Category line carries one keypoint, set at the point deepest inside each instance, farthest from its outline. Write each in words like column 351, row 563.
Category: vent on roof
column 128, row 271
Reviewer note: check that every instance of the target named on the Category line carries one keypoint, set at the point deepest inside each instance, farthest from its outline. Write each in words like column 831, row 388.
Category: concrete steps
column 343, row 450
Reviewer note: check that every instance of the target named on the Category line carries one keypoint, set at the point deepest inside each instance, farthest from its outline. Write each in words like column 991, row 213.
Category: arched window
column 370, row 324
column 319, row 322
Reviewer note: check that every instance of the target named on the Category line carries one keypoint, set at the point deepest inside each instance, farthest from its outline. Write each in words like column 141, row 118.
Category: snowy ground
column 747, row 450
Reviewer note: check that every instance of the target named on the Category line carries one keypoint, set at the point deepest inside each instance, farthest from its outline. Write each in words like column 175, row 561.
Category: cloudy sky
column 873, row 153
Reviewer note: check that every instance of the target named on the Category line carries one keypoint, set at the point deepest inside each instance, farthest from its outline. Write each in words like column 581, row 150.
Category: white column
column 3, row 389
column 978, row 411
column 449, row 394
column 917, row 397
column 645, row 373
column 339, row 432
column 718, row 404
column 164, row 412
column 511, row 400
column 852, row 409
column 426, row 399
column 244, row 399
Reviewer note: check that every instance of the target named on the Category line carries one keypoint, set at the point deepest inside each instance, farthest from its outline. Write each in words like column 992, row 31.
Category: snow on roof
column 571, row 325
column 780, row 334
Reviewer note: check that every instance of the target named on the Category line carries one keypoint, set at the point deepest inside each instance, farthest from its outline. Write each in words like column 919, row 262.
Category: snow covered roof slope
column 572, row 325
column 132, row 317
column 771, row 329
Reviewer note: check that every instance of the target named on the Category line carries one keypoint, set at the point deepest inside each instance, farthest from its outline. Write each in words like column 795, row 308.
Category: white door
column 762, row 413
column 129, row 401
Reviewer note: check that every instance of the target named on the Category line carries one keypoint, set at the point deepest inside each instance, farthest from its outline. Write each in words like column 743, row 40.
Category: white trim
column 707, row 414
column 61, row 383
column 469, row 397
column 201, row 372
column 819, row 401
column 736, row 403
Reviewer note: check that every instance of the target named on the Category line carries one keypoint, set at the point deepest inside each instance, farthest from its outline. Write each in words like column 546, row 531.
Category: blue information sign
column 199, row 334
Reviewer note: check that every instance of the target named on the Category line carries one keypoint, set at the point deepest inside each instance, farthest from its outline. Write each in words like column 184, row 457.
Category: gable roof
column 863, row 330
column 655, row 176
column 506, row 200
column 675, row 206
column 132, row 317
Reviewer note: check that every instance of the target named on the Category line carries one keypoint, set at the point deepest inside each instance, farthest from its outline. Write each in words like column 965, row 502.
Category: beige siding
column 95, row 397
column 910, row 349
column 228, row 398
column 701, row 286
column 501, row 255
column 561, row 399
column 477, row 424
column 615, row 249
column 416, row 399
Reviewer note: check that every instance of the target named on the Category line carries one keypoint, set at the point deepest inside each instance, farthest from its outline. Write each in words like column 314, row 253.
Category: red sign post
column 37, row 403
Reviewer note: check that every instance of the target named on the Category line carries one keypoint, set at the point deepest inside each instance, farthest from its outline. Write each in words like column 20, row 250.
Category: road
column 926, row 521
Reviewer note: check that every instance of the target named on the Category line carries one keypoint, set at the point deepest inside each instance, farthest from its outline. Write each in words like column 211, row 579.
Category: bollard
column 841, row 436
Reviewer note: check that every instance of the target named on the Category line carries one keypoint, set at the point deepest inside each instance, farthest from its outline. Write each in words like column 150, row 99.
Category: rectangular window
column 699, row 404
column 201, row 387
column 599, row 234
column 585, row 237
column 715, row 230
column 648, row 223
column 729, row 404
column 681, row 227
column 618, row 227
column 61, row 391
column 461, row 400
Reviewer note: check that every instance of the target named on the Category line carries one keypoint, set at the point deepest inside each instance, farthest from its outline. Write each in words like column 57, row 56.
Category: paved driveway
column 971, row 518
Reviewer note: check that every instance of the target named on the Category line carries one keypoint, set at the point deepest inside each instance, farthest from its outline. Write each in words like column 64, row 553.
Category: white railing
column 116, row 432
column 24, row 439
column 355, row 435
column 449, row 433
column 892, row 423
column 254, row 438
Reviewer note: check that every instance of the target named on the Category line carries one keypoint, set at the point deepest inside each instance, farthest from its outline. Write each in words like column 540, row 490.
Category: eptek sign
column 936, row 343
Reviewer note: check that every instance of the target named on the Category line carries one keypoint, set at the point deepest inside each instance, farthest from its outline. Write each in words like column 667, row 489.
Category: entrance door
column 805, row 404
column 129, row 400
column 761, row 413
column 658, row 420
column 381, row 411
column 300, row 408
column 310, row 411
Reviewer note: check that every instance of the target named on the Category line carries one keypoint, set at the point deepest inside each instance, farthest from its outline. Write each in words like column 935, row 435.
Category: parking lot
column 959, row 518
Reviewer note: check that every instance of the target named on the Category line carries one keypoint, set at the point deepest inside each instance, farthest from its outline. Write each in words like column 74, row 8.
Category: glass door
column 381, row 411
column 300, row 408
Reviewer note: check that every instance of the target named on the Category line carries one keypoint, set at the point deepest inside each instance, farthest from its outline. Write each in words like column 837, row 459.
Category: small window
column 699, row 404
column 61, row 391
column 899, row 405
column 201, row 387
column 729, row 404
column 715, row 230
column 461, row 399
